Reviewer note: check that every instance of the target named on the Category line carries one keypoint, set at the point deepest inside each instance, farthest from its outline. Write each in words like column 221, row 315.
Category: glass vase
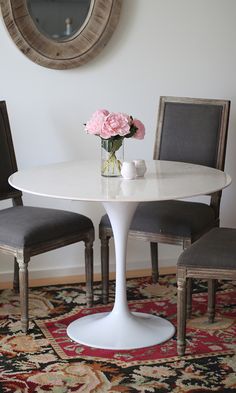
column 112, row 156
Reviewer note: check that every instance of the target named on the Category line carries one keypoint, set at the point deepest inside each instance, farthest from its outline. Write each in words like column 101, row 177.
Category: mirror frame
column 77, row 50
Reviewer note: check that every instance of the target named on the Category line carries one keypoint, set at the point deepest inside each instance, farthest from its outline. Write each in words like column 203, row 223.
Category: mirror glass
column 59, row 19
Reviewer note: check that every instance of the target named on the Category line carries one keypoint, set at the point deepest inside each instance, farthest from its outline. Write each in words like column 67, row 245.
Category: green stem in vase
column 111, row 166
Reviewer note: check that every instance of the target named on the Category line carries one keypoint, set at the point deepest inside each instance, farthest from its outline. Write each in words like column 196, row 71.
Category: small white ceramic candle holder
column 128, row 170
column 140, row 166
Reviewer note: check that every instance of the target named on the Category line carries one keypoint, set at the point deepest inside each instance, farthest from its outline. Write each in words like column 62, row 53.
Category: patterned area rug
column 46, row 360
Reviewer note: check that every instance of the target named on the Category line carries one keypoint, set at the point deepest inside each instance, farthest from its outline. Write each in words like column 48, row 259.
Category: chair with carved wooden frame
column 189, row 130
column 212, row 257
column 26, row 231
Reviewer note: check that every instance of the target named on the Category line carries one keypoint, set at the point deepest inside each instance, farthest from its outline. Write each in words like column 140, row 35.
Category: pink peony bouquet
column 112, row 128
column 114, row 125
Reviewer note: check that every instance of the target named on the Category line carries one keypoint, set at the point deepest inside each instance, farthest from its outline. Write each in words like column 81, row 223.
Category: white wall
column 160, row 47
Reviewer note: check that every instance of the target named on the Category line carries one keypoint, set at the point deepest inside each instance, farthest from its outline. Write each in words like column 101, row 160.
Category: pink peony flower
column 139, row 134
column 95, row 124
column 115, row 124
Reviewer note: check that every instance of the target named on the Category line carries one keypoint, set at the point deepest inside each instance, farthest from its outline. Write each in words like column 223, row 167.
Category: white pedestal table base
column 120, row 329
column 108, row 331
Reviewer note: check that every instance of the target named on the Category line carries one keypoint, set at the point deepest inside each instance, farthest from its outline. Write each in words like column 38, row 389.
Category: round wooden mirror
column 61, row 34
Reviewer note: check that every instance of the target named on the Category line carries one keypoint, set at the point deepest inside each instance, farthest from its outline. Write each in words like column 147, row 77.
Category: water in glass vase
column 112, row 156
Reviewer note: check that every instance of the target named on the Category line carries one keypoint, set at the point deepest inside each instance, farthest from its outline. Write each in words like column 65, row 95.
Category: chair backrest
column 7, row 158
column 193, row 130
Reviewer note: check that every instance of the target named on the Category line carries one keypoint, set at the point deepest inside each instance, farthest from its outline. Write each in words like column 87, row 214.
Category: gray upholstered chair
column 188, row 130
column 212, row 257
column 26, row 231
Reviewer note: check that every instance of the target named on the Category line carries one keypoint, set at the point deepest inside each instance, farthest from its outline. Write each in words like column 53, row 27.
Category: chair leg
column 105, row 268
column 189, row 297
column 89, row 271
column 154, row 259
column 181, row 316
column 24, row 296
column 211, row 300
column 16, row 277
column 187, row 243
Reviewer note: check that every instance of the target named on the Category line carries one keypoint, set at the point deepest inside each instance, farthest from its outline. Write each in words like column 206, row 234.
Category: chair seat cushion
column 216, row 249
column 25, row 226
column 179, row 218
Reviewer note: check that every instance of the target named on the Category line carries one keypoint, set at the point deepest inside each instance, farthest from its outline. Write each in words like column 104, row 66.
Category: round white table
column 81, row 180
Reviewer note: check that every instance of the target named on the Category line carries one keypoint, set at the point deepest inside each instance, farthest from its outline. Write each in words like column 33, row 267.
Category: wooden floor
column 81, row 278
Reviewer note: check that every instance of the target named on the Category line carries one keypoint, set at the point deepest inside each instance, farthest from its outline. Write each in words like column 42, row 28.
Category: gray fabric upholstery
column 190, row 133
column 173, row 217
column 25, row 226
column 7, row 164
column 216, row 249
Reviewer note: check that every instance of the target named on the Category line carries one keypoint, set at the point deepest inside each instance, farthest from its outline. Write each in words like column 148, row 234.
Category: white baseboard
column 7, row 276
